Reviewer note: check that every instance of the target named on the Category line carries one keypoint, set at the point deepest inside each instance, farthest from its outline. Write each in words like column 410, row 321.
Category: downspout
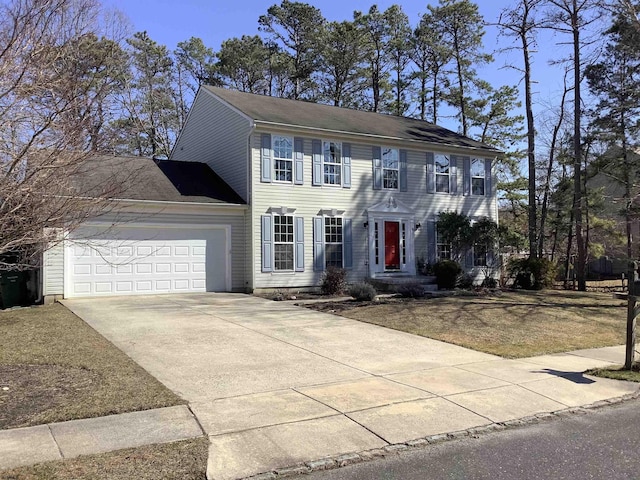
column 248, row 259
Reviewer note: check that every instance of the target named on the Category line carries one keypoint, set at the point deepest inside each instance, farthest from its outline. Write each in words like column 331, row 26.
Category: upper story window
column 283, row 243
column 282, row 158
column 442, row 169
column 333, row 241
column 332, row 163
column 477, row 176
column 390, row 168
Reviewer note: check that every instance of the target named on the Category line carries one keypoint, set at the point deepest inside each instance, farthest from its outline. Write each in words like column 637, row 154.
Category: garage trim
column 68, row 244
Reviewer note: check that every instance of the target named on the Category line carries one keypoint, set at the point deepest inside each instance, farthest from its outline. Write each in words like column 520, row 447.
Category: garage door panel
column 144, row 261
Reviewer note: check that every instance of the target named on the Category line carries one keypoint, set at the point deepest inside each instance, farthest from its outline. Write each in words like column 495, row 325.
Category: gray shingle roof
column 141, row 178
column 262, row 108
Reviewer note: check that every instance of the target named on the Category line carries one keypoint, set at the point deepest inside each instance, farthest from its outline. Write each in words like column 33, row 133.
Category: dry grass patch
column 617, row 373
column 509, row 324
column 54, row 367
column 186, row 460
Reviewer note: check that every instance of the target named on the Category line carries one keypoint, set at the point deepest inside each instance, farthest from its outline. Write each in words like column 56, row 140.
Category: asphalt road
column 602, row 444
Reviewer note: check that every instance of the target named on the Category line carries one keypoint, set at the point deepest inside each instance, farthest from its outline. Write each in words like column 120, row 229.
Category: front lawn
column 54, row 367
column 510, row 324
column 186, row 460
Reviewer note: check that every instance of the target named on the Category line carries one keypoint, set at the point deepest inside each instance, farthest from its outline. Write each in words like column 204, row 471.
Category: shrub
column 532, row 273
column 446, row 272
column 362, row 291
column 465, row 280
column 490, row 282
column 423, row 267
column 411, row 290
column 333, row 281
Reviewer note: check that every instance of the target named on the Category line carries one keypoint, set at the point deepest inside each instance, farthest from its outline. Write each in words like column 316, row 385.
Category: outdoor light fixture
column 417, row 226
column 366, row 225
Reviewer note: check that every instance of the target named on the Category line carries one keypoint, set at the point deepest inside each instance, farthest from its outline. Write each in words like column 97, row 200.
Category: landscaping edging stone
column 343, row 460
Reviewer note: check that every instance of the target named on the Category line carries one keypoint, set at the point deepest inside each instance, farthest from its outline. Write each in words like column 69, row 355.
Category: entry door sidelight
column 392, row 245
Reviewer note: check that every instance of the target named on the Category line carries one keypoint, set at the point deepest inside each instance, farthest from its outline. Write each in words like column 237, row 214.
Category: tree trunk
column 577, row 153
column 463, row 111
column 531, row 145
column 435, row 98
column 547, row 186
column 569, row 247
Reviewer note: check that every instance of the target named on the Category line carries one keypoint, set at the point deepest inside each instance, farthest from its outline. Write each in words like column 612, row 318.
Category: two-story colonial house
column 329, row 186
column 315, row 186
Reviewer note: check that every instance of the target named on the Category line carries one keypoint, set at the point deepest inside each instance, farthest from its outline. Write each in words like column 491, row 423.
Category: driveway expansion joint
column 55, row 441
column 338, row 461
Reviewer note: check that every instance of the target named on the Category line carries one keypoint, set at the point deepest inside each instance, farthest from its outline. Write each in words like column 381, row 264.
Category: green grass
column 510, row 324
column 186, row 460
column 54, row 367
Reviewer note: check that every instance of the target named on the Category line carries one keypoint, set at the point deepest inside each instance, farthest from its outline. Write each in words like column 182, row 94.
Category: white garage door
column 137, row 261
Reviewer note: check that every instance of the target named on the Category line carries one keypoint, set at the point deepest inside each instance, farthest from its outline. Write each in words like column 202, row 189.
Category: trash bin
column 13, row 288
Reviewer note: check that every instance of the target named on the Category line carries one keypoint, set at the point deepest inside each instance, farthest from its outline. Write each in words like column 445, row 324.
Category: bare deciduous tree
column 43, row 129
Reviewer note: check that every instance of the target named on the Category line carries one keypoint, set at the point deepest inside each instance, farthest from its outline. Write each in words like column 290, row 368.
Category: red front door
column 392, row 245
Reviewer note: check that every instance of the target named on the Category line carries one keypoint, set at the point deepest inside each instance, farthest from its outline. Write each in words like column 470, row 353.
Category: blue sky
column 169, row 22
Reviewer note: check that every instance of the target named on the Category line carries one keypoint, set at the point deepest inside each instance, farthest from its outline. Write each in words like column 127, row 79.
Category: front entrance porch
column 391, row 227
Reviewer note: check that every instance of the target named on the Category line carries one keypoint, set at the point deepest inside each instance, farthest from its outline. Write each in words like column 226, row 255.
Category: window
column 283, row 158
column 477, row 176
column 403, row 247
column 333, row 241
column 443, row 250
column 479, row 255
column 376, row 243
column 442, row 167
column 390, row 168
column 332, row 163
column 283, row 242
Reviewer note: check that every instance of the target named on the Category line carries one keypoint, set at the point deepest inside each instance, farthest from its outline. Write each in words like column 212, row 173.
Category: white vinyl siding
column 351, row 203
column 53, row 270
column 216, row 135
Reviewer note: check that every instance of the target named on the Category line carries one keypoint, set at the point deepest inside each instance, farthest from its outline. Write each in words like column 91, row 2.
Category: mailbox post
column 633, row 310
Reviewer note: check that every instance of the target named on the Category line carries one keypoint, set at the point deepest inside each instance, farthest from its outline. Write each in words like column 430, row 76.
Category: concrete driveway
column 274, row 384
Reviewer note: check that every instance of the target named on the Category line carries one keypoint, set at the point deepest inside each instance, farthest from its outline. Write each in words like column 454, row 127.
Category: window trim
column 384, row 168
column 472, row 176
column 438, row 243
column 292, row 243
column 325, row 243
column 275, row 159
column 436, row 174
column 486, row 256
column 340, row 163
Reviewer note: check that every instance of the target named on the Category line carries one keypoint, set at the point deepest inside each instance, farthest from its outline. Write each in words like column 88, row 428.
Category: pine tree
column 242, row 63
column 294, row 26
column 430, row 56
column 151, row 120
column 341, row 82
column 463, row 29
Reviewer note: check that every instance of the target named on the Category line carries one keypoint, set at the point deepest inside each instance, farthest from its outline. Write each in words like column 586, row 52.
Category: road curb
column 338, row 461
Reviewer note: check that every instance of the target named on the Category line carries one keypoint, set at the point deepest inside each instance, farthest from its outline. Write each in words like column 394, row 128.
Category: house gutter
column 160, row 203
